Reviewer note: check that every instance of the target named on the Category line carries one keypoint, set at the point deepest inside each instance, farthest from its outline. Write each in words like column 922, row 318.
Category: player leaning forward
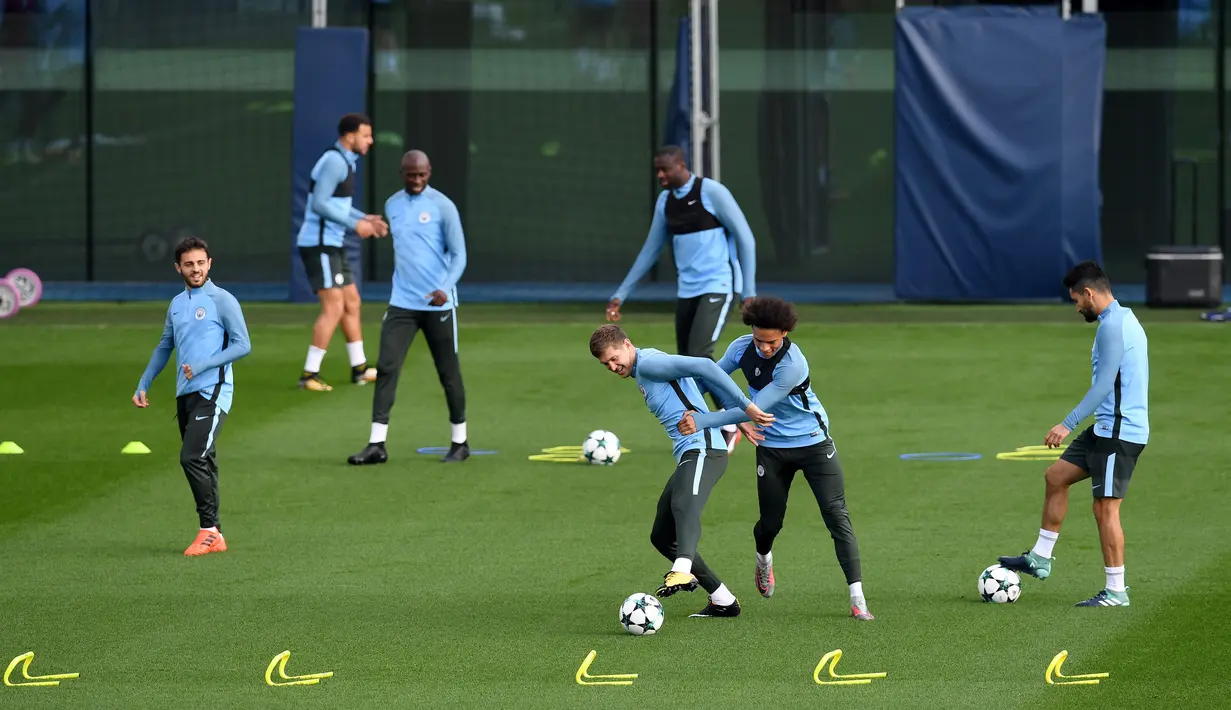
column 670, row 388
column 780, row 383
column 1106, row 452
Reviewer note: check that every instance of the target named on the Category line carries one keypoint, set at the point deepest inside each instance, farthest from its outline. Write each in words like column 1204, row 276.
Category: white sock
column 1047, row 540
column 379, row 431
column 313, row 363
column 730, row 428
column 857, row 590
column 682, row 564
column 1115, row 578
column 214, row 530
column 765, row 560
column 355, row 352
column 722, row 596
column 459, row 433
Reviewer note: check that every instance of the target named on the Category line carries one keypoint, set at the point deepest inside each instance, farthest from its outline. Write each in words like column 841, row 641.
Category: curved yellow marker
column 1031, row 453
column 280, row 662
column 841, row 678
column 1084, row 679
column 583, row 676
column 42, row 681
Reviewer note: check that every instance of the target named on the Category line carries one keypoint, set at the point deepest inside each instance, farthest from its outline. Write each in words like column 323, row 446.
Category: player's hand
column 382, row 227
column 752, row 433
column 140, row 400
column 1056, row 436
column 187, row 371
column 613, row 310
column 438, row 298
column 757, row 416
column 687, row 426
column 366, row 228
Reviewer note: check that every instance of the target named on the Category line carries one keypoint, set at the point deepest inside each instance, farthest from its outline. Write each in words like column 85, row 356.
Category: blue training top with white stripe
column 780, row 385
column 1120, row 381
column 206, row 329
column 668, row 386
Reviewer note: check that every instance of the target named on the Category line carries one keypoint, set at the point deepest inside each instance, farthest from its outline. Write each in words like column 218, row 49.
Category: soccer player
column 780, row 383
column 430, row 255
column 206, row 329
column 328, row 213
column 1106, row 452
column 715, row 256
column 668, row 384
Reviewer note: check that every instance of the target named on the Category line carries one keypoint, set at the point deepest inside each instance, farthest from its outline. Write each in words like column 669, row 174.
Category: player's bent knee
column 1062, row 474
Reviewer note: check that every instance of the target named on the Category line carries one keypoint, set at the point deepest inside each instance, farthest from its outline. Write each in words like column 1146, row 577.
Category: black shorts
column 1109, row 462
column 699, row 321
column 327, row 267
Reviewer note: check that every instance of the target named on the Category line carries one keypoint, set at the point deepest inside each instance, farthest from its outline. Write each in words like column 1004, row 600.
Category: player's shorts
column 327, row 267
column 699, row 321
column 1110, row 462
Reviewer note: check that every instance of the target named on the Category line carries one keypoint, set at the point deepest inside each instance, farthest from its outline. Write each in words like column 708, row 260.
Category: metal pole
column 1220, row 103
column 88, row 149
column 652, row 79
column 698, row 111
column 711, row 119
column 1089, row 6
column 1066, row 9
column 320, row 13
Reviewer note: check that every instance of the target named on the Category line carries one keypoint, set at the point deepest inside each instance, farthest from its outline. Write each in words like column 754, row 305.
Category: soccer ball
column 999, row 585
column 641, row 614
column 601, row 447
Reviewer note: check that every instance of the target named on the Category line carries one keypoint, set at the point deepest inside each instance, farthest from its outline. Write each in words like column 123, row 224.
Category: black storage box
column 1184, row 276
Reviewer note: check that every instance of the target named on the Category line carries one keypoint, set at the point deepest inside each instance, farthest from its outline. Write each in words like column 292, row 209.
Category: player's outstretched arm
column 1110, row 341
column 786, row 377
column 158, row 359
column 333, row 172
column 654, row 243
column 727, row 211
column 664, row 368
column 238, row 344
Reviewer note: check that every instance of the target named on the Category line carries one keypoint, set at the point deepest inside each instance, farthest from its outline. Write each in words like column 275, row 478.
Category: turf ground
column 486, row 584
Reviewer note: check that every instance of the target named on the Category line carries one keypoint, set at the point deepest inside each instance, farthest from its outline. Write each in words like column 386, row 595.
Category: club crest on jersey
column 424, row 218
column 757, row 372
column 200, row 313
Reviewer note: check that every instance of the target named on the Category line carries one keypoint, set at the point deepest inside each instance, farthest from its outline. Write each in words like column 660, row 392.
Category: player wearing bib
column 668, row 384
column 779, row 382
column 1106, row 452
column 715, row 256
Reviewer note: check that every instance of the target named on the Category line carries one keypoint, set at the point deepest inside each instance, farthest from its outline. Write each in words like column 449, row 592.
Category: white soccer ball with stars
column 642, row 614
column 999, row 585
column 601, row 447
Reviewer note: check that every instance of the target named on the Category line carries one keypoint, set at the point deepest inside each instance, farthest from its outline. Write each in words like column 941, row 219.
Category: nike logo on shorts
column 444, row 318
column 204, row 417
column 715, row 300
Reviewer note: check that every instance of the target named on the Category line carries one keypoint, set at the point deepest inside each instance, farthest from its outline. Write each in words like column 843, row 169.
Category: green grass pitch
column 421, row 585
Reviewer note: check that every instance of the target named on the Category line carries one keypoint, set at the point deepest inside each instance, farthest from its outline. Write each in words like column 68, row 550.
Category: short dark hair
column 672, row 151
column 1087, row 274
column 188, row 244
column 607, row 336
column 769, row 312
column 351, row 123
